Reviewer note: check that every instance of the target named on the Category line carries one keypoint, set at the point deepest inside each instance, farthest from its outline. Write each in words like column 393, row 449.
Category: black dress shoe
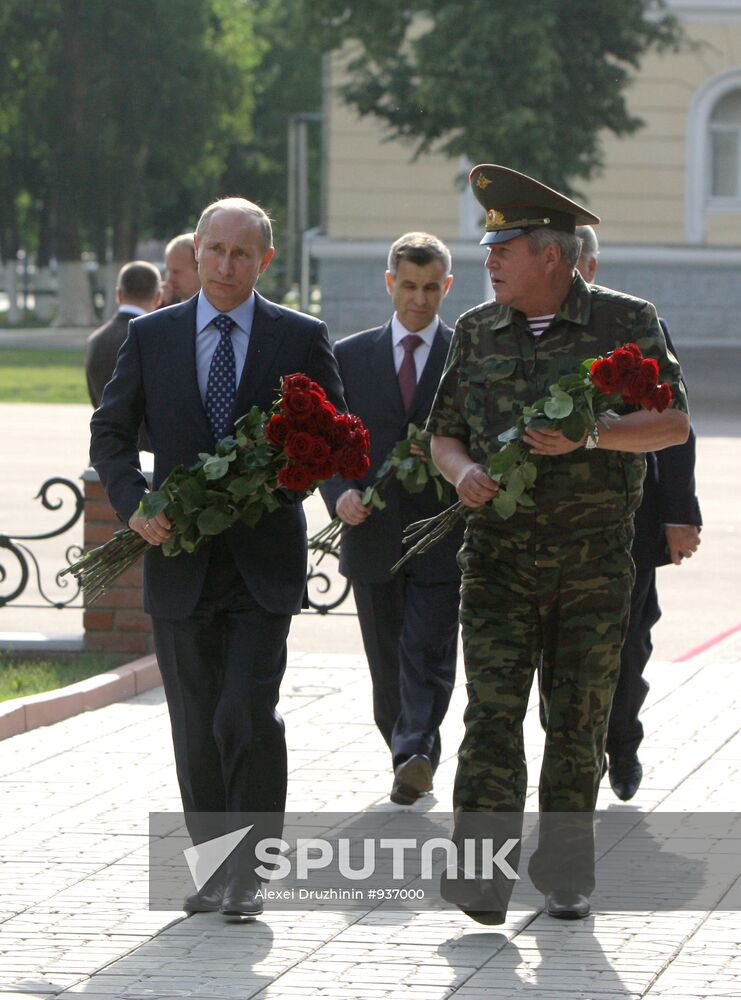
column 208, row 898
column 412, row 779
column 241, row 899
column 625, row 775
column 567, row 905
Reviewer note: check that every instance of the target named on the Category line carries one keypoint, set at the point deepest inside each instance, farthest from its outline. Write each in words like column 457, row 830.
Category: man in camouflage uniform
column 555, row 579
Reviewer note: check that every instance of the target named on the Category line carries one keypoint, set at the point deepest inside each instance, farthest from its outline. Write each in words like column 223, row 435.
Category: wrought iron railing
column 28, row 568
column 326, row 590
column 323, row 582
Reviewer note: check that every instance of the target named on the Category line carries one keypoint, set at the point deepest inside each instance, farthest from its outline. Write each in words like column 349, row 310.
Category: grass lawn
column 42, row 376
column 23, row 673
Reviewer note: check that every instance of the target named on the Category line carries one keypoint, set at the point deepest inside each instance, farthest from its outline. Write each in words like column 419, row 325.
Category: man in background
column 138, row 291
column 409, row 621
column 667, row 530
column 181, row 280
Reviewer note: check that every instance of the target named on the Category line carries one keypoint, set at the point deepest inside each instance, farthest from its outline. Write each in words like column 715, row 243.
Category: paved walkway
column 73, row 864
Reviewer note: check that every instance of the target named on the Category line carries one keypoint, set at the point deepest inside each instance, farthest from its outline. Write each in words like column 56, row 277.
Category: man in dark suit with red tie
column 221, row 615
column 409, row 622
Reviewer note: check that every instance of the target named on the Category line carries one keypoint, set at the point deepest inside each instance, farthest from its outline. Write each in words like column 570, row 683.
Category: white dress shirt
column 399, row 331
column 207, row 336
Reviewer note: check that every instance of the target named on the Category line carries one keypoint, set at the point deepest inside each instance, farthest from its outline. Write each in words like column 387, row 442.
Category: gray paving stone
column 73, row 867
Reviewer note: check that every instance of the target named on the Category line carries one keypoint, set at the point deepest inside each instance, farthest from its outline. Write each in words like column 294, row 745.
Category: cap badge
column 494, row 218
column 483, row 182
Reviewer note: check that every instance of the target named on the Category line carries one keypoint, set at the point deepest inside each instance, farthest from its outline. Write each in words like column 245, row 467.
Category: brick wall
column 116, row 622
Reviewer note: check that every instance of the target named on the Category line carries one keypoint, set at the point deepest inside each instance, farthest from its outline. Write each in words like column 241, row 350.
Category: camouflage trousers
column 520, row 600
column 568, row 603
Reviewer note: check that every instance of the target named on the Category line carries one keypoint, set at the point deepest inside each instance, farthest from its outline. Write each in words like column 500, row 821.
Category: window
column 725, row 147
column 713, row 153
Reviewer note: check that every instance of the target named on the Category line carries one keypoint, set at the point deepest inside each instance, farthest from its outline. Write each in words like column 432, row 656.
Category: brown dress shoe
column 412, row 779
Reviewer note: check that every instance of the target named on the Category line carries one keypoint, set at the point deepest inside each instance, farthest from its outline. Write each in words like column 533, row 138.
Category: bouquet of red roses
column 302, row 441
column 626, row 374
column 574, row 406
column 410, row 464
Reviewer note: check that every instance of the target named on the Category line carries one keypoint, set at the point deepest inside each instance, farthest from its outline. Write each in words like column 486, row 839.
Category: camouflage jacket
column 495, row 366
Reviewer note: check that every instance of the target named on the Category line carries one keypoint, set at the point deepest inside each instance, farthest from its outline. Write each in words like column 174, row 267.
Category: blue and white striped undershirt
column 539, row 324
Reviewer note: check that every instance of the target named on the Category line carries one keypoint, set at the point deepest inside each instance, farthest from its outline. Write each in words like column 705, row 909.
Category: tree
column 287, row 81
column 528, row 84
column 114, row 110
column 121, row 121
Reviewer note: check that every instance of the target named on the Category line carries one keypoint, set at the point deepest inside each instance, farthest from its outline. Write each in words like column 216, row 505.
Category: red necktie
column 408, row 371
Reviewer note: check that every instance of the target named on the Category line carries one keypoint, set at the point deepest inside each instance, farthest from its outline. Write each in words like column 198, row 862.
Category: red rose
column 635, row 350
column 296, row 477
column 319, row 453
column 298, row 381
column 297, row 403
column 640, row 384
column 318, row 399
column 341, row 431
column 352, row 463
column 324, row 419
column 626, row 360
column 299, row 445
column 323, row 471
column 659, row 399
column 605, row 375
column 277, row 430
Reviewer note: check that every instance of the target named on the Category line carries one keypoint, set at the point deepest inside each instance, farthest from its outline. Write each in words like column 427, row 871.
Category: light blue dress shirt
column 207, row 336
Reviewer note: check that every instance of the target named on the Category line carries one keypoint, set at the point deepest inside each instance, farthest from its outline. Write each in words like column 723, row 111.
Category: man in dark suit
column 667, row 530
column 409, row 622
column 137, row 292
column 220, row 616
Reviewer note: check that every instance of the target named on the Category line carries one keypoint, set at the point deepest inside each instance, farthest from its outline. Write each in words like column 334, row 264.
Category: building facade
column 669, row 196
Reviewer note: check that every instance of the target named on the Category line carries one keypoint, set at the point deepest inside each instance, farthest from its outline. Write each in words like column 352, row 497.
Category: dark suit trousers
column 222, row 669
column 625, row 732
column 410, row 633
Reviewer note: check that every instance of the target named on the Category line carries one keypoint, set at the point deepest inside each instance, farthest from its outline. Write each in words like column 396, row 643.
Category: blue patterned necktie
column 222, row 379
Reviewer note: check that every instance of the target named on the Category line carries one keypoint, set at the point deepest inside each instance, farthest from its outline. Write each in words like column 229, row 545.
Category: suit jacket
column 366, row 363
column 668, row 497
column 156, row 380
column 101, row 352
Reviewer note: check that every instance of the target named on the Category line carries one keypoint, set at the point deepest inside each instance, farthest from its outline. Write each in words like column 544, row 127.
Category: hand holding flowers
column 410, row 464
column 302, row 441
column 573, row 409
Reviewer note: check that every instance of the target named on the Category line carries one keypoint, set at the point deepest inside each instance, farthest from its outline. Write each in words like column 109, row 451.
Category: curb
column 21, row 715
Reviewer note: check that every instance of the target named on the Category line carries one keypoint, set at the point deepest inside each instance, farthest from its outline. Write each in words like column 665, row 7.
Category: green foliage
column 218, row 489
column 412, row 470
column 120, row 120
column 528, row 84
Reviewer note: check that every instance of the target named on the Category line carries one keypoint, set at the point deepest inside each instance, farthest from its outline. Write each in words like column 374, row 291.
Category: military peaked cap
column 515, row 204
